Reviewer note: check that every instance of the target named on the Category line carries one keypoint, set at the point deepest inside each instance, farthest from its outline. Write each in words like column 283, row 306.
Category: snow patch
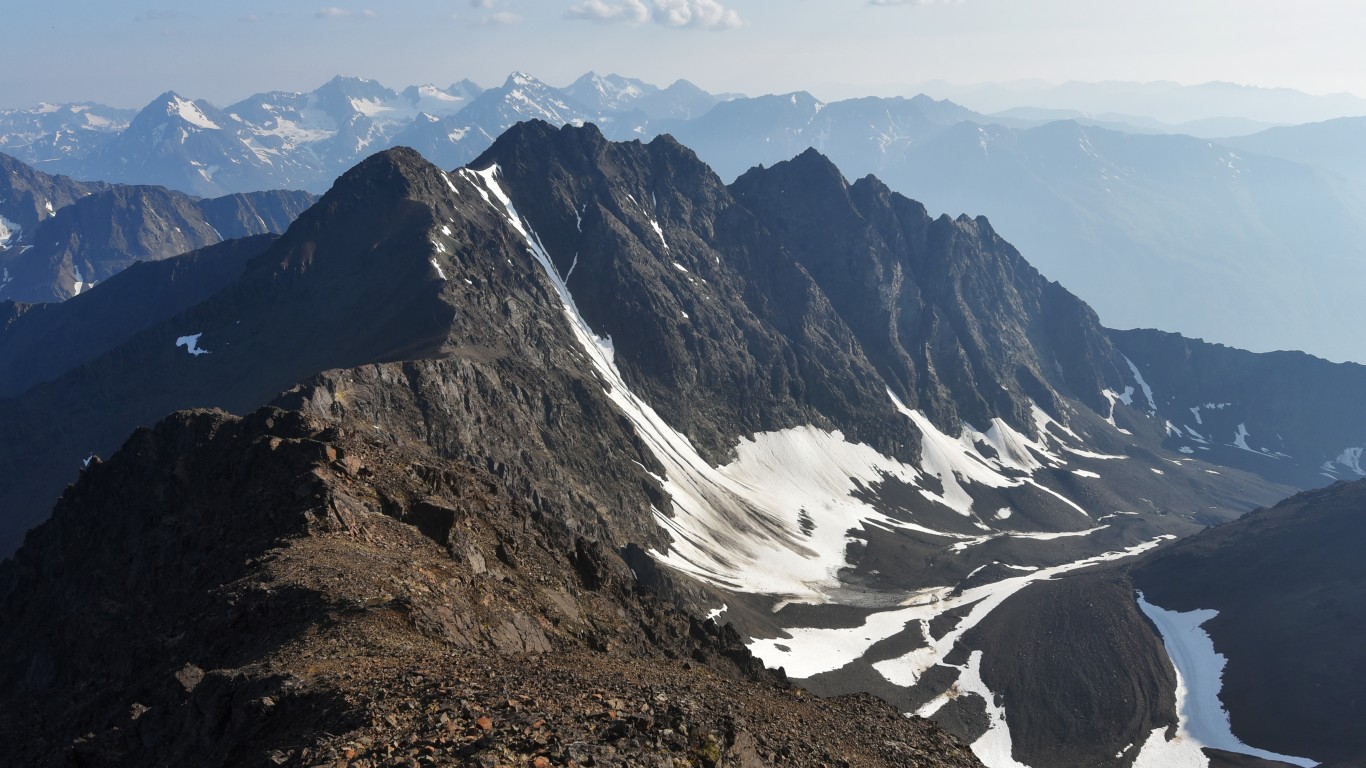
column 1203, row 721
column 1143, row 385
column 1351, row 459
column 191, row 344
column 659, row 231
column 994, row 747
column 190, row 113
column 9, row 232
column 808, row 651
column 1085, row 473
column 777, row 520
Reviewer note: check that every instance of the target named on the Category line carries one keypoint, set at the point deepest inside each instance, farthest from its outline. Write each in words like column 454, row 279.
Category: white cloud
column 333, row 12
column 633, row 11
column 499, row 19
column 494, row 18
column 702, row 14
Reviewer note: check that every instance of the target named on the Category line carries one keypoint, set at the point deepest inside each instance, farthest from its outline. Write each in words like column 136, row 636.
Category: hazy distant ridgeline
column 1251, row 241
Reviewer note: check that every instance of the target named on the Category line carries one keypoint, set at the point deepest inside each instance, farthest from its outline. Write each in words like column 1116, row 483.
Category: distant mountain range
column 1168, row 103
column 1253, row 241
column 60, row 237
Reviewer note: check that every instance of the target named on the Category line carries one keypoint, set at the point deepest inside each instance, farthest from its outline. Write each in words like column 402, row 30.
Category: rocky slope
column 276, row 590
column 1262, row 412
column 1285, row 582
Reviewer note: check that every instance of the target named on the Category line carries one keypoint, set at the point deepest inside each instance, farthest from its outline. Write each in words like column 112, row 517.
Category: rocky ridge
column 276, row 590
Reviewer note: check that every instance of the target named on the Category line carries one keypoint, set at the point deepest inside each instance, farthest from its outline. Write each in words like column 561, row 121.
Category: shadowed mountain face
column 82, row 234
column 1286, row 583
column 867, row 437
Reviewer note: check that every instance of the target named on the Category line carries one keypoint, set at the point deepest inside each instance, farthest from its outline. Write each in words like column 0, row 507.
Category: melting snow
column 8, row 232
column 1240, row 439
column 191, row 344
column 439, row 272
column 810, row 651
column 715, row 613
column 1127, row 398
column 963, row 545
column 1203, row 721
column 728, row 520
column 1085, row 473
column 1351, row 459
column 660, row 232
column 994, row 747
column 190, row 114
column 1143, row 385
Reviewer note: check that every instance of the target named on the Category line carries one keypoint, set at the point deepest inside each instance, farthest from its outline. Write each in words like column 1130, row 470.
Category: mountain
column 1198, row 630
column 589, row 617
column 1332, row 145
column 606, row 94
column 70, row 236
column 1211, row 238
column 268, row 140
column 1211, row 399
column 136, row 298
column 52, row 132
column 609, row 93
column 178, row 143
column 28, row 197
column 1206, row 128
column 864, row 436
column 1283, row 577
column 1168, row 102
column 459, row 138
column 1206, row 240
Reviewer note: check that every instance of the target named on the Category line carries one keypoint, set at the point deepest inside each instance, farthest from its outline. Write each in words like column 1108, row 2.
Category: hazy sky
column 125, row 53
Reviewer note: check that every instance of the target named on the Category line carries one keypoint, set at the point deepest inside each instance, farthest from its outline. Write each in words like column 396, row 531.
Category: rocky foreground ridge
column 279, row 590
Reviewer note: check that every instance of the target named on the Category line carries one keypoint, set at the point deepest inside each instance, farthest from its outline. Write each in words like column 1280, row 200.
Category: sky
column 124, row 53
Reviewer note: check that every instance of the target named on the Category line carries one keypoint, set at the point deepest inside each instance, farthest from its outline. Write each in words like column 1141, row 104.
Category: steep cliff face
column 1288, row 416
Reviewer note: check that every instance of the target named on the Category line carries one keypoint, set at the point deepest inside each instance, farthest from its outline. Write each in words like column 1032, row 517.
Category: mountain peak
column 520, row 79
column 809, row 169
column 396, row 170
